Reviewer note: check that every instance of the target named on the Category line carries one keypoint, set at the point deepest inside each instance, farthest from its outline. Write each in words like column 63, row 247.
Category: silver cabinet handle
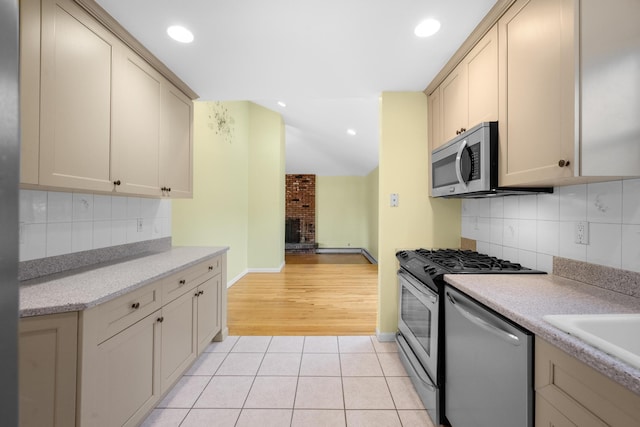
column 459, row 165
column 479, row 321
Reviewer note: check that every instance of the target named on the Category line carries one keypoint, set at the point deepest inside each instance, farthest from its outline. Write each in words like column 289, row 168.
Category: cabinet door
column 47, row 348
column 610, row 88
column 136, row 125
column 435, row 120
column 178, row 338
column 29, row 91
column 453, row 96
column 548, row 416
column 176, row 143
column 128, row 375
column 75, row 109
column 482, row 79
column 208, row 311
column 537, row 95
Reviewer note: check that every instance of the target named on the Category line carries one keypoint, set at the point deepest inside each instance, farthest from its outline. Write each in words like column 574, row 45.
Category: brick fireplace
column 300, row 214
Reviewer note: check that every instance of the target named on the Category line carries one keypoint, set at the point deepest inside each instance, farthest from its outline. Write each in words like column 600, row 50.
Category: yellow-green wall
column 418, row 221
column 266, row 189
column 372, row 208
column 238, row 187
column 342, row 219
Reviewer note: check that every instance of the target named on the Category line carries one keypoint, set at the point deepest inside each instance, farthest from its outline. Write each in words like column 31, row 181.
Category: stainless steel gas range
column 421, row 323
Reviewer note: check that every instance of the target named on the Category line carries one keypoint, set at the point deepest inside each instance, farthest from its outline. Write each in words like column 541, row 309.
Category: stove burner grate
column 456, row 260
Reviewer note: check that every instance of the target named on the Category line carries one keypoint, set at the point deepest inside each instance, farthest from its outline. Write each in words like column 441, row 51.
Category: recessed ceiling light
column 351, row 132
column 282, row 104
column 180, row 34
column 427, row 28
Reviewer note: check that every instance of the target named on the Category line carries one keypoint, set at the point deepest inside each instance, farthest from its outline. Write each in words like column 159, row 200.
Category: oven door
column 418, row 320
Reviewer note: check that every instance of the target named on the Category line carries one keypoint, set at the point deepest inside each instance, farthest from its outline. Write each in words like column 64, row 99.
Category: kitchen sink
column 615, row 334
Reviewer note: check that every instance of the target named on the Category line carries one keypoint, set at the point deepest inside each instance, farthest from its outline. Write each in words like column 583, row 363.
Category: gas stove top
column 434, row 263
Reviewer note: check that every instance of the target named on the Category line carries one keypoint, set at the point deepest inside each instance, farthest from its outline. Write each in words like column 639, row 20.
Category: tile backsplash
column 58, row 223
column 532, row 229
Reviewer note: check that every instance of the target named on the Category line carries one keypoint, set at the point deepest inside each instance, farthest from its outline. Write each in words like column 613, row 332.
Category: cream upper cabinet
column 435, row 120
column 176, row 143
column 137, row 89
column 568, row 104
column 536, row 124
column 482, row 80
column 610, row 88
column 453, row 98
column 469, row 94
column 96, row 114
column 75, row 99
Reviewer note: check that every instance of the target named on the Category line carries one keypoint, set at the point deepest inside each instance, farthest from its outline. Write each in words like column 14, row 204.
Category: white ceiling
column 329, row 60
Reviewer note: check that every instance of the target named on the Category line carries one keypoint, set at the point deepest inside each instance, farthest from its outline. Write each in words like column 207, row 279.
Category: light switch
column 394, row 200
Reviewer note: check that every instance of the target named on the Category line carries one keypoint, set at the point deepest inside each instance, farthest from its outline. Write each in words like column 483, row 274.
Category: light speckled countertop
column 82, row 289
column 526, row 298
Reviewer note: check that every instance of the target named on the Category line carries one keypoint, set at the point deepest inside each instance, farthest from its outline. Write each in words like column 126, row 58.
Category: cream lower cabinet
column 570, row 393
column 208, row 303
column 128, row 366
column 47, row 352
column 134, row 348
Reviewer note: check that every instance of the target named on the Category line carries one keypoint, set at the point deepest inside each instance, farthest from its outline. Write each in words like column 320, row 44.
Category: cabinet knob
column 182, row 282
column 201, row 292
column 197, row 294
column 135, row 305
column 463, row 130
column 169, row 189
column 211, row 268
column 160, row 319
column 116, row 182
column 564, row 163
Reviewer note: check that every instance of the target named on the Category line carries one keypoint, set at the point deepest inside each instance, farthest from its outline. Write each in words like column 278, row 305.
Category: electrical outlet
column 394, row 200
column 582, row 233
column 139, row 226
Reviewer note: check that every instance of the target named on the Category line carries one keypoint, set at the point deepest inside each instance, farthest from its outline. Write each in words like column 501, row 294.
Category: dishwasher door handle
column 482, row 323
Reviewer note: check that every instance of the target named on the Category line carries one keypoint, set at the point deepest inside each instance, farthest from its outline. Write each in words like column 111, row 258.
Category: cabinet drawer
column 117, row 315
column 179, row 283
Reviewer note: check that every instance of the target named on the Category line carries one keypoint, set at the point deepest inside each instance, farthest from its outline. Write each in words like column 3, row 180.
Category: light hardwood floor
column 306, row 299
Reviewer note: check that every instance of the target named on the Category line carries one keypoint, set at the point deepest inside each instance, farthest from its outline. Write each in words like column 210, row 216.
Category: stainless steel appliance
column 421, row 323
column 467, row 166
column 489, row 369
column 9, row 161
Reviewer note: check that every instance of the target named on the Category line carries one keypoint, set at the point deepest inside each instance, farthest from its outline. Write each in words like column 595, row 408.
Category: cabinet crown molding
column 481, row 29
column 95, row 10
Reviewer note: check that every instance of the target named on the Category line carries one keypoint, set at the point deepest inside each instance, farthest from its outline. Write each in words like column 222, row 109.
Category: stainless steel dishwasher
column 488, row 366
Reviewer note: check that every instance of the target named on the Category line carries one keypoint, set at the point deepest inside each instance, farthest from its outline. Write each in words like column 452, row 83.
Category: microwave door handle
column 459, row 164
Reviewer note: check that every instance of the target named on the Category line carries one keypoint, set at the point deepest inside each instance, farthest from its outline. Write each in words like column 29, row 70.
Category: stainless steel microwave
column 467, row 166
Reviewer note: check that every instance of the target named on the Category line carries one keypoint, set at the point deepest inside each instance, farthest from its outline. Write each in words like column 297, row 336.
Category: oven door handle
column 428, row 294
column 461, row 180
column 479, row 321
column 412, row 361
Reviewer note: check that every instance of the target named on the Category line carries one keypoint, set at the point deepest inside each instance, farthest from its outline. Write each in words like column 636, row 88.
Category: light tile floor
column 294, row 381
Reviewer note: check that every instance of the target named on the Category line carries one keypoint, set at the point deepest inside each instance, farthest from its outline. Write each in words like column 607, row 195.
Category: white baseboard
column 362, row 251
column 235, row 279
column 385, row 336
column 267, row 270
